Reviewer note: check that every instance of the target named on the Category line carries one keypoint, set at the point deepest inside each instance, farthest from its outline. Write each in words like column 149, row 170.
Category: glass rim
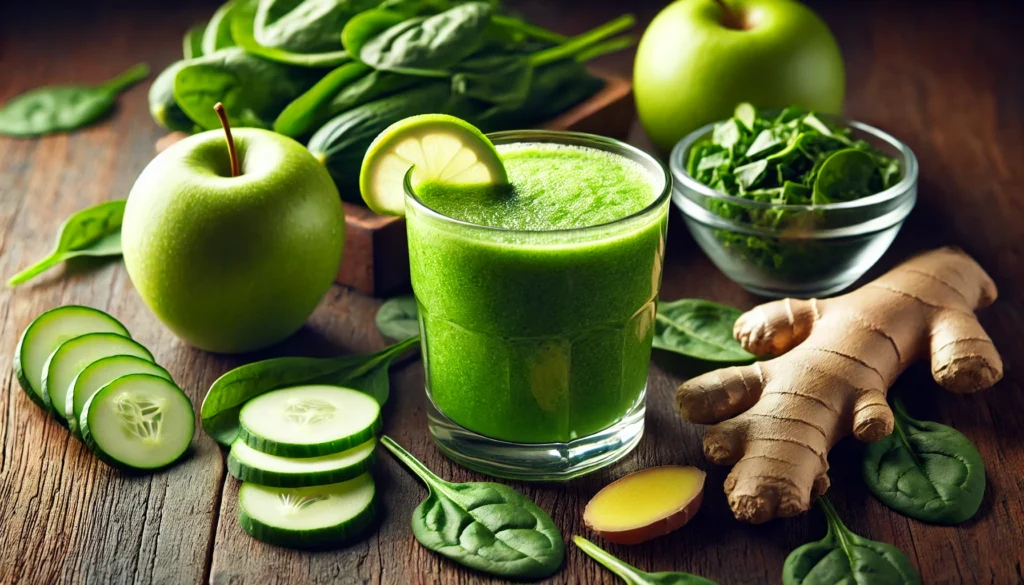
column 682, row 148
column 631, row 152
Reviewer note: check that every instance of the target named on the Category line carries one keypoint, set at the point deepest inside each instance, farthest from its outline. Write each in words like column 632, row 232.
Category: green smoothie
column 538, row 303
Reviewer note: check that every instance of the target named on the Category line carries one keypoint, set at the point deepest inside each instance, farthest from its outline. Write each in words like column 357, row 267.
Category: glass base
column 537, row 461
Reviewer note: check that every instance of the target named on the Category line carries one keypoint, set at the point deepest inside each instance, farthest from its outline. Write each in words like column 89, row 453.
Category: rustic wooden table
column 946, row 79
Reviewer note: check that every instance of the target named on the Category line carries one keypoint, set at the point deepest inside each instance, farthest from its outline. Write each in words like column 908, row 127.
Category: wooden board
column 944, row 80
column 376, row 258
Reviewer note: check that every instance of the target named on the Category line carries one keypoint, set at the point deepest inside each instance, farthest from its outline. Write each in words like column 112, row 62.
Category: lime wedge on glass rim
column 437, row 147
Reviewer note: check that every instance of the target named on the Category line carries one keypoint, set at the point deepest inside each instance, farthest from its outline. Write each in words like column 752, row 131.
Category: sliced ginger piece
column 646, row 504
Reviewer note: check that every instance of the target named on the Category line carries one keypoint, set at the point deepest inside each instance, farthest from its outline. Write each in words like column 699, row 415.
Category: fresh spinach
column 217, row 34
column 925, row 470
column 243, row 23
column 699, row 329
column 192, row 44
column 63, row 108
column 95, row 231
column 844, row 557
column 486, row 526
column 792, row 159
column 348, row 86
column 227, row 395
column 303, row 27
column 428, row 46
column 253, row 90
column 629, row 574
column 398, row 318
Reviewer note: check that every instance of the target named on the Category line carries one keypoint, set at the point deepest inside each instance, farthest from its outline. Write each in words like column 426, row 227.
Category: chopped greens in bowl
column 793, row 203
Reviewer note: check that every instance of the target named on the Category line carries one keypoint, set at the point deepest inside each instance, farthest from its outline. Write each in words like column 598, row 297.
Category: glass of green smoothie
column 537, row 302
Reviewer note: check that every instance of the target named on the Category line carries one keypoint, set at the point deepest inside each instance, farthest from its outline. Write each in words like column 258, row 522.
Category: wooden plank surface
column 947, row 80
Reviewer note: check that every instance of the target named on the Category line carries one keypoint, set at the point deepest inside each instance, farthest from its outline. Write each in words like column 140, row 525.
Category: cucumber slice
column 138, row 422
column 248, row 464
column 98, row 374
column 46, row 333
column 73, row 356
column 307, row 517
column 309, row 421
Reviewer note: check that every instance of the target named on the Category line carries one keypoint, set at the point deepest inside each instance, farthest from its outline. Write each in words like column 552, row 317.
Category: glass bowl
column 810, row 250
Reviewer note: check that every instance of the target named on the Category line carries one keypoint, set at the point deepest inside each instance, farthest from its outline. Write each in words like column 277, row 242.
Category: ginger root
column 646, row 504
column 777, row 419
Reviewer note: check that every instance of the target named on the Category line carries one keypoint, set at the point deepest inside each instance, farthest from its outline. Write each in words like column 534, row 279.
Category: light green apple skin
column 233, row 264
column 691, row 69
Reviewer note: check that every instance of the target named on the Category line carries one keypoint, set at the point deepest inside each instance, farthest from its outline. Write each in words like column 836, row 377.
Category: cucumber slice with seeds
column 46, row 333
column 73, row 356
column 248, row 464
column 308, row 517
column 309, row 421
column 138, row 422
column 98, row 374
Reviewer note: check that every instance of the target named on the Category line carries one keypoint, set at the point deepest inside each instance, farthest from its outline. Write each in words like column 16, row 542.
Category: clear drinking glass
column 536, row 344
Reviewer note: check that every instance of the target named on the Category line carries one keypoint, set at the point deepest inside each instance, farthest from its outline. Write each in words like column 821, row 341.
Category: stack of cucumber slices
column 82, row 366
column 304, row 454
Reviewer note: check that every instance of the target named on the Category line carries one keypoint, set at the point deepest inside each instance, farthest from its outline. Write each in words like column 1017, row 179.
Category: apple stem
column 732, row 19
column 232, row 153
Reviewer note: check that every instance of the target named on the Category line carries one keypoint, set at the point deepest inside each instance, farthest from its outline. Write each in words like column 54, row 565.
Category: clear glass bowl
column 812, row 250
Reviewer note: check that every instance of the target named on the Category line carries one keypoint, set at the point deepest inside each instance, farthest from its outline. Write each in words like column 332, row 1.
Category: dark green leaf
column 304, row 27
column 486, row 526
column 846, row 175
column 217, row 34
column 699, row 329
column 844, row 558
column 253, row 90
column 244, row 34
column 503, row 80
column 430, row 45
column 192, row 44
column 162, row 106
column 95, row 231
column 398, row 318
column 630, row 574
column 63, row 108
column 227, row 395
column 925, row 470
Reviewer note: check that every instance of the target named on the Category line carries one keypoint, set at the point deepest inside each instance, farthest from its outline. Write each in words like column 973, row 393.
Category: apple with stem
column 699, row 58
column 232, row 248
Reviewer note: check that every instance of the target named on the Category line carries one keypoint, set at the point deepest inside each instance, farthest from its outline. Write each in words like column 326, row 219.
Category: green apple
column 233, row 263
column 699, row 58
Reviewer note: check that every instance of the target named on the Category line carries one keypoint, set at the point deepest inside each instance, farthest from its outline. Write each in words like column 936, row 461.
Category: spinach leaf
column 630, row 575
column 162, row 106
column 63, row 108
column 253, row 90
column 428, row 46
column 844, row 557
column 303, row 27
column 95, row 231
column 347, row 87
column 398, row 318
column 486, row 526
column 192, row 44
column 500, row 79
column 846, row 175
column 217, row 34
column 227, row 395
column 925, row 470
column 699, row 329
column 243, row 31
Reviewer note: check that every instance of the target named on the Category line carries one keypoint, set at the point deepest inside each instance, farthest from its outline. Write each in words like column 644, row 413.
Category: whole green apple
column 233, row 263
column 699, row 58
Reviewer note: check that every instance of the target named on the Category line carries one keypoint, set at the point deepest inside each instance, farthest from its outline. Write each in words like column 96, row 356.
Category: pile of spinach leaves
column 335, row 73
column 792, row 158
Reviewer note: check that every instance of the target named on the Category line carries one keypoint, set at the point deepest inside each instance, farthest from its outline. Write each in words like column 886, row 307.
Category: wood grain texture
column 947, row 80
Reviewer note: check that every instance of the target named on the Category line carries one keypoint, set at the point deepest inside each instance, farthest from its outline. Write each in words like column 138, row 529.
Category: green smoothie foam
column 541, row 335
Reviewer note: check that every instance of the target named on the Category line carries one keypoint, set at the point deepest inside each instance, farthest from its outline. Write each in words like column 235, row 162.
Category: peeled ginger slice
column 646, row 504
